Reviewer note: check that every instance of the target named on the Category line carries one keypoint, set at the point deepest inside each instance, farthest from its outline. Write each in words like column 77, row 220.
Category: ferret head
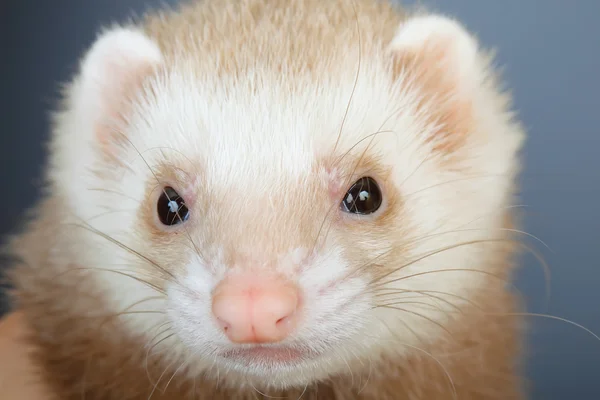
column 289, row 193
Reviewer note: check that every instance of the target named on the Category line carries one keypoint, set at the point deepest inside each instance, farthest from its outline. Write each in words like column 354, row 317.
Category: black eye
column 363, row 197
column 171, row 207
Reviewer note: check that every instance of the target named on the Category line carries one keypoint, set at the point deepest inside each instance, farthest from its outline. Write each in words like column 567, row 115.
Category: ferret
column 297, row 199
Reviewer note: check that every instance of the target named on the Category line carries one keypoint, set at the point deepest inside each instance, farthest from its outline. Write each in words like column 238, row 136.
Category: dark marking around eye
column 171, row 208
column 363, row 197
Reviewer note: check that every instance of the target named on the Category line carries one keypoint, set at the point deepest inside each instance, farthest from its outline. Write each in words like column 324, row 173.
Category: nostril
column 225, row 326
column 283, row 322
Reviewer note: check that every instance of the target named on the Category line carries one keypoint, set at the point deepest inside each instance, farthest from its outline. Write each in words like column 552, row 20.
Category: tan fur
column 83, row 352
column 76, row 357
column 453, row 114
column 232, row 34
column 117, row 110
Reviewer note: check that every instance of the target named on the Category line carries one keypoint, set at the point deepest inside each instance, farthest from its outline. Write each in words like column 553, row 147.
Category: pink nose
column 252, row 309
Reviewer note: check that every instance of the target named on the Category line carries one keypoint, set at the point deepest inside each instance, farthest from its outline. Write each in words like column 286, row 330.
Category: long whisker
column 405, row 302
column 545, row 269
column 447, row 270
column 124, row 247
column 376, row 133
column 263, row 394
column 534, row 252
column 158, row 182
column 317, row 237
column 373, row 287
column 554, row 317
column 369, row 136
column 136, row 278
column 368, row 376
column 113, row 192
column 450, row 380
column 171, row 149
column 155, row 386
column 183, row 364
column 438, row 251
column 424, row 293
column 415, row 170
column 435, row 234
column 527, row 314
column 150, row 348
column 468, row 178
column 355, row 79
column 442, row 367
column 408, row 328
column 303, row 392
column 104, row 214
column 343, row 358
column 159, row 379
column 334, row 206
column 418, row 315
column 356, row 165
column 432, row 293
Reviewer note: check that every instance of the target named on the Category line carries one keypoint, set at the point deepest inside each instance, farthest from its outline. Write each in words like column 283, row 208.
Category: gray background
column 551, row 53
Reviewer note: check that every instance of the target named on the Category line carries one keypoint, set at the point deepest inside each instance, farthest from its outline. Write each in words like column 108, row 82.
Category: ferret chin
column 277, row 198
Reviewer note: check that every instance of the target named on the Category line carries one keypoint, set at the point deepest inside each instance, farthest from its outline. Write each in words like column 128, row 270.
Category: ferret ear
column 112, row 73
column 438, row 58
column 439, row 43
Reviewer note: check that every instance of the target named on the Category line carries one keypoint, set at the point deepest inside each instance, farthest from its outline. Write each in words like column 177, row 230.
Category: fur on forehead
column 267, row 124
column 266, row 130
column 262, row 107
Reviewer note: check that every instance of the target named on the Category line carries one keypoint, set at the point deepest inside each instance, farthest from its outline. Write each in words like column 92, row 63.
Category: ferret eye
column 363, row 197
column 171, row 207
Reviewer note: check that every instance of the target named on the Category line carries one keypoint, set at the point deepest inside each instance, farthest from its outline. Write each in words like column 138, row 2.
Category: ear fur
column 439, row 59
column 112, row 71
column 439, row 42
column 88, row 141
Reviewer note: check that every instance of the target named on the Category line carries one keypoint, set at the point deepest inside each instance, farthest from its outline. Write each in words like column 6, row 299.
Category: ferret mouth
column 270, row 355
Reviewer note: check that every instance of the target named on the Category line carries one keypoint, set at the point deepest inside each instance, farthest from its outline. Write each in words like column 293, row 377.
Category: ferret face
column 285, row 224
